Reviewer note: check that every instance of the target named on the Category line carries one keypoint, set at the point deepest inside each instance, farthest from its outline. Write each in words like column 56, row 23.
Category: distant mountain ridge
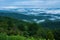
column 36, row 15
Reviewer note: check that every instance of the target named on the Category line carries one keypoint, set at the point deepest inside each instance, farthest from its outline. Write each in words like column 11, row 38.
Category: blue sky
column 30, row 3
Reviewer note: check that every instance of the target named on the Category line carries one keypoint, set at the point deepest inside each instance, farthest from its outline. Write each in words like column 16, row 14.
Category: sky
column 30, row 3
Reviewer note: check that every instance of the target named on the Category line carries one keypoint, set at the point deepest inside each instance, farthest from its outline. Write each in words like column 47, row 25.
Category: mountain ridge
column 30, row 15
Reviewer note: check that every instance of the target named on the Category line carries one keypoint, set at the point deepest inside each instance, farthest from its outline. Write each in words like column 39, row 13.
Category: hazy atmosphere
column 30, row 3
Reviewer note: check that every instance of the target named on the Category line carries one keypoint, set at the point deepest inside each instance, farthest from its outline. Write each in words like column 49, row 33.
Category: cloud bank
column 30, row 3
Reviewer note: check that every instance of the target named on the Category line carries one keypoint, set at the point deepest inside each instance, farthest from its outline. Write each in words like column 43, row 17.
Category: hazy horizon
column 29, row 3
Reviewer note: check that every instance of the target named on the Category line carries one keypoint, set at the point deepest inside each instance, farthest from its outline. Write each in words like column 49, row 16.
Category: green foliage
column 16, row 37
column 25, row 30
column 3, row 36
column 57, row 34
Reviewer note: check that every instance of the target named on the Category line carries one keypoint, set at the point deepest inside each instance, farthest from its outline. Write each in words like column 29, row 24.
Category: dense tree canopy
column 12, row 26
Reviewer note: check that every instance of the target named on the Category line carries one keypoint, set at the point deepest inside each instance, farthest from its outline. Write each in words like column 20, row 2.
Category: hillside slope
column 11, row 26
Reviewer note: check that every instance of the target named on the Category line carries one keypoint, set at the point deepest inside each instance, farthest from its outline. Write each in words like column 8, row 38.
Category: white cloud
column 36, row 3
column 39, row 21
column 9, row 7
column 31, row 3
column 52, row 19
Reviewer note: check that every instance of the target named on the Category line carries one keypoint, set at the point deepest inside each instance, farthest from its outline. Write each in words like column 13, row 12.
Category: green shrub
column 3, row 36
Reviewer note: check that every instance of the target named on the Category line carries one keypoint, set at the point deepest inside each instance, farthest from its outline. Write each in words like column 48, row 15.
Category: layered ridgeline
column 47, row 18
column 34, row 25
column 31, row 14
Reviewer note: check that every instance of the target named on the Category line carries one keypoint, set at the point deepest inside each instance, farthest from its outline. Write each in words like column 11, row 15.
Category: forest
column 14, row 29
